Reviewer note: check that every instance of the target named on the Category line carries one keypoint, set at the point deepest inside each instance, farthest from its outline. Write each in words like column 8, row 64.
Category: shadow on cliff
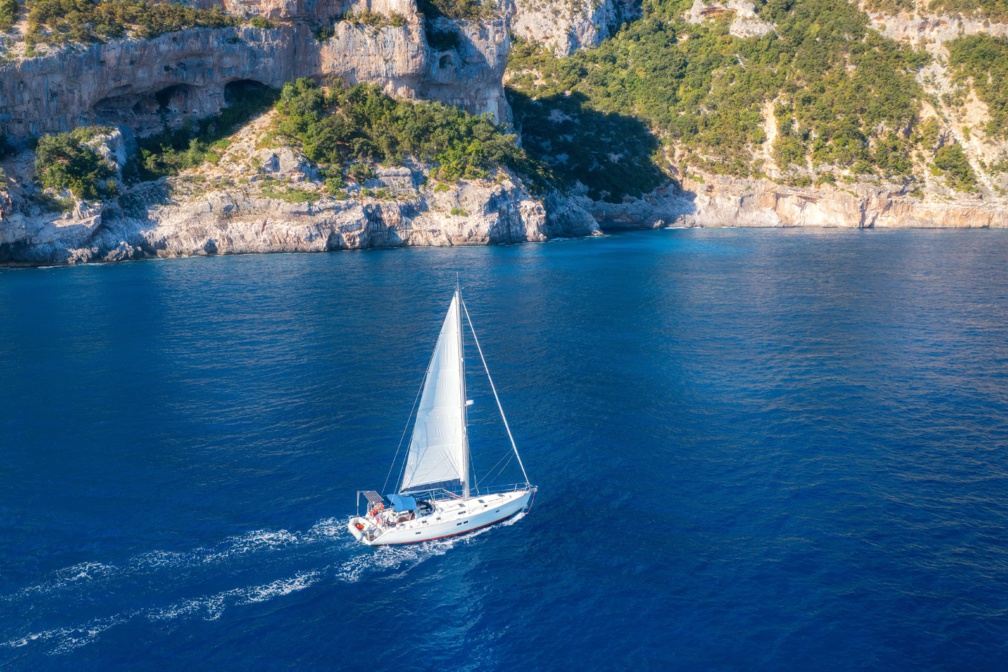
column 611, row 154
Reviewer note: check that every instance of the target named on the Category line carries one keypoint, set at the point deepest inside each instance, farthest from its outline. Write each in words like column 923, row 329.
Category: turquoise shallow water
column 755, row 449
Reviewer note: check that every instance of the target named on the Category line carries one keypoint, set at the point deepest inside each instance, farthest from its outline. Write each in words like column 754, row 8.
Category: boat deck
column 449, row 517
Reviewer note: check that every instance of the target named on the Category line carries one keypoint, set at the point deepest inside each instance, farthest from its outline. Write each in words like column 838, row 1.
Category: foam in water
column 211, row 607
column 256, row 541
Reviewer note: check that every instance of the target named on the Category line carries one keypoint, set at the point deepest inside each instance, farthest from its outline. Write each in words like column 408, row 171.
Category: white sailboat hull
column 450, row 517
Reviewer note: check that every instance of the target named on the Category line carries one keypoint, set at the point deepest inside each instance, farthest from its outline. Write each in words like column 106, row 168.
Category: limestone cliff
column 268, row 199
column 729, row 202
column 566, row 26
column 760, row 203
column 129, row 80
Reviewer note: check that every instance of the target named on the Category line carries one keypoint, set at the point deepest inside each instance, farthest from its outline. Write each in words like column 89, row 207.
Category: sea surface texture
column 778, row 450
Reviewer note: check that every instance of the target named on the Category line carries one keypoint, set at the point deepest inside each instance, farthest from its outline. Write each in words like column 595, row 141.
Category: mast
column 462, row 382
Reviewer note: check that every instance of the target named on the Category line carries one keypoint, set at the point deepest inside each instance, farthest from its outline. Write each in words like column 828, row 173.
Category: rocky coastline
column 223, row 209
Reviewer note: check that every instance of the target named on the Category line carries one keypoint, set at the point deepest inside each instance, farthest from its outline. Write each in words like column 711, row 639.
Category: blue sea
column 775, row 450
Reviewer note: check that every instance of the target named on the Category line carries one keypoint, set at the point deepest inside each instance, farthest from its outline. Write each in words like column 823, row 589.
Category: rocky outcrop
column 931, row 29
column 238, row 222
column 565, row 27
column 133, row 81
column 745, row 22
column 271, row 200
column 471, row 74
column 728, row 202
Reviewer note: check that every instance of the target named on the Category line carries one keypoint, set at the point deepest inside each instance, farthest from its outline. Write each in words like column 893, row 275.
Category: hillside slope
column 815, row 100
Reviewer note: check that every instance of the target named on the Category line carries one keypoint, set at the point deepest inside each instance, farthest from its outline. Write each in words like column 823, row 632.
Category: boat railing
column 476, row 492
column 494, row 490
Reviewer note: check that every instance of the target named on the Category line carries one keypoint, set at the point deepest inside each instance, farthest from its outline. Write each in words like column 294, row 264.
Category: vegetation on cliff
column 344, row 131
column 65, row 162
column 59, row 22
column 996, row 10
column 843, row 98
column 8, row 14
column 983, row 61
column 951, row 161
column 340, row 126
column 174, row 150
column 460, row 10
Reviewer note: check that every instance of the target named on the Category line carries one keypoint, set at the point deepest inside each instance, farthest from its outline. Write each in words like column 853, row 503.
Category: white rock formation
column 564, row 27
column 119, row 80
column 746, row 22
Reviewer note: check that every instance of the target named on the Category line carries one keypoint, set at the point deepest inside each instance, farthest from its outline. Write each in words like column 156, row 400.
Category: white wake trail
column 255, row 545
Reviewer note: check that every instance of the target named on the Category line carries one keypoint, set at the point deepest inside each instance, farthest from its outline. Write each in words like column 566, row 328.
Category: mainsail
column 439, row 450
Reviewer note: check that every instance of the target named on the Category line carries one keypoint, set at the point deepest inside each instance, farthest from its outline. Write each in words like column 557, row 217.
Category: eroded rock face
column 119, row 80
column 471, row 75
column 746, row 23
column 721, row 201
column 131, row 82
column 236, row 221
column 565, row 27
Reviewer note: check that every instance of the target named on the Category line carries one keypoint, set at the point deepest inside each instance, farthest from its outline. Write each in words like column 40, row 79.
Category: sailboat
column 434, row 499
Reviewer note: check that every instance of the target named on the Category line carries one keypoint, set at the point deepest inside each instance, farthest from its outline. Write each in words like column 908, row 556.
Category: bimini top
column 402, row 502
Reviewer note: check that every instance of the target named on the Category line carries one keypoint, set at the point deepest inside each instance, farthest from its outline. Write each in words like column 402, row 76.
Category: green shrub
column 8, row 14
column 983, row 60
column 996, row 10
column 362, row 125
column 289, row 195
column 63, row 161
column 86, row 21
column 262, row 23
column 334, row 185
column 372, row 19
column 951, row 160
column 839, row 89
column 323, row 33
column 458, row 212
column 361, row 171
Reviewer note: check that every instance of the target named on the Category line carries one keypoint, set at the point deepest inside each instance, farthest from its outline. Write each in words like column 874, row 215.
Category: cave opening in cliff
column 244, row 99
column 242, row 90
column 177, row 98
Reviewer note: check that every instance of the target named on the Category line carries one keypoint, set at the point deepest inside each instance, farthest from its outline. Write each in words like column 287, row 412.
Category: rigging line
column 399, row 447
column 496, row 464
column 500, row 471
column 494, row 388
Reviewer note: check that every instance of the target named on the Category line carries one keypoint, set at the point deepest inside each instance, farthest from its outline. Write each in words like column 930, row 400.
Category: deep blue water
column 779, row 450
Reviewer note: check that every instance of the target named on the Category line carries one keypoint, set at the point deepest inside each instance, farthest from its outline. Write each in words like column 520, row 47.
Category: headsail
column 438, row 452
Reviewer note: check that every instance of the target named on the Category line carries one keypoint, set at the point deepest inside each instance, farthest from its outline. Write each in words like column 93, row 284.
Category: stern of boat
column 363, row 530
